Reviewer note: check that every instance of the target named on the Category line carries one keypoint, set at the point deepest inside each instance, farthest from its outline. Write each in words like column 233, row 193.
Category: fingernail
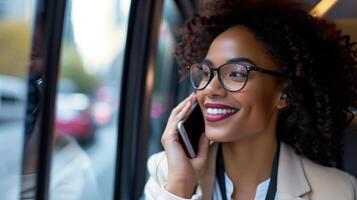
column 189, row 102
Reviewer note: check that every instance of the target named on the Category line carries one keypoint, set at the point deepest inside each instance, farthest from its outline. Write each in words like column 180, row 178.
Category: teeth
column 218, row 111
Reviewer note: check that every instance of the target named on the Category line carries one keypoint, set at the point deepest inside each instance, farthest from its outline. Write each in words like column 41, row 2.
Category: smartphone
column 190, row 130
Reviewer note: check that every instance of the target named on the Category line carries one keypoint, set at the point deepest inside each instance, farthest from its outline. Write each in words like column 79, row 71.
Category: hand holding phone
column 183, row 172
column 190, row 131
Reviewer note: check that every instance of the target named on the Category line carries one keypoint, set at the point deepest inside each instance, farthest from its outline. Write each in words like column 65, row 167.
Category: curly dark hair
column 319, row 60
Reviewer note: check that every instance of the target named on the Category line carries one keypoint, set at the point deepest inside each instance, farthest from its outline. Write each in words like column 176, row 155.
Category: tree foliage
column 15, row 47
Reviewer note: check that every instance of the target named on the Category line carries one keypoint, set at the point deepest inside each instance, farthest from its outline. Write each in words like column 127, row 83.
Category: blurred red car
column 104, row 106
column 74, row 117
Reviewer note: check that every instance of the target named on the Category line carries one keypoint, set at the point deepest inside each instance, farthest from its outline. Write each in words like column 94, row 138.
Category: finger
column 184, row 112
column 203, row 147
column 171, row 132
column 182, row 104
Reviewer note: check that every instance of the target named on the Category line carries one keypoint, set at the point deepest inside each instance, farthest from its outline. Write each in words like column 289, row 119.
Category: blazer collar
column 292, row 181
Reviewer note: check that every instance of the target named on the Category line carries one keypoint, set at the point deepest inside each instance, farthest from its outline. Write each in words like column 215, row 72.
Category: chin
column 218, row 135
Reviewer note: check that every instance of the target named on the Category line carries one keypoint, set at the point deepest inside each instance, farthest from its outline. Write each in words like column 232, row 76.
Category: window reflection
column 16, row 18
column 167, row 85
column 166, row 80
column 33, row 109
column 85, row 133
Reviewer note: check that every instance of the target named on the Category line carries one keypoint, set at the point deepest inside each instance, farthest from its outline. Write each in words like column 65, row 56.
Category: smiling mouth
column 217, row 112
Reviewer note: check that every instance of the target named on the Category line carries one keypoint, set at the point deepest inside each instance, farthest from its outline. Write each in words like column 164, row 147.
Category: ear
column 282, row 102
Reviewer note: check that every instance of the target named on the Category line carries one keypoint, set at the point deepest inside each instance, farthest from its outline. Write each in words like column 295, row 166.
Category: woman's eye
column 237, row 74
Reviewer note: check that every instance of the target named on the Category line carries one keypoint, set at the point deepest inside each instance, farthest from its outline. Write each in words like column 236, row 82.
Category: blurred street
column 11, row 145
column 101, row 153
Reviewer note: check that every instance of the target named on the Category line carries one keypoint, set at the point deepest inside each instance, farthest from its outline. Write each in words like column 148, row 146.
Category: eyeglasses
column 233, row 76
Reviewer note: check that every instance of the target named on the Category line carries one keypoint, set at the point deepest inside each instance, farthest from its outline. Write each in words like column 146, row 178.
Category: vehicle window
column 169, row 87
column 166, row 75
column 16, row 19
column 85, row 127
column 166, row 79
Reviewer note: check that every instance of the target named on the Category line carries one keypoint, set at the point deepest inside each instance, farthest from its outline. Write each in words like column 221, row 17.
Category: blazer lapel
column 292, row 182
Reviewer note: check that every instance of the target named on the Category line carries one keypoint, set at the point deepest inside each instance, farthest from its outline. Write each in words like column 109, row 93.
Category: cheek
column 200, row 97
column 257, row 104
column 262, row 92
column 258, row 107
column 262, row 100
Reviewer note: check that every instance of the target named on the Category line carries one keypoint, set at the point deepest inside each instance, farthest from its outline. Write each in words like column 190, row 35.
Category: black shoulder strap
column 220, row 169
column 220, row 173
column 274, row 177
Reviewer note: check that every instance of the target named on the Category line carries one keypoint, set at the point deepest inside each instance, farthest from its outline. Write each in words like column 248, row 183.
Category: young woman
column 276, row 88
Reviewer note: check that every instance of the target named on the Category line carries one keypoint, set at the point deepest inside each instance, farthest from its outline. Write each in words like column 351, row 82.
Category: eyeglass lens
column 233, row 76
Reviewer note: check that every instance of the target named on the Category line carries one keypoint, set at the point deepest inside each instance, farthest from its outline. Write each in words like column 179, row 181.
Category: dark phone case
column 194, row 126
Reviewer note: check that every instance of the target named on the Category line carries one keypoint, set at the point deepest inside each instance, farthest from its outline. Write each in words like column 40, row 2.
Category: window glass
column 16, row 19
column 166, row 81
column 166, row 75
column 85, row 128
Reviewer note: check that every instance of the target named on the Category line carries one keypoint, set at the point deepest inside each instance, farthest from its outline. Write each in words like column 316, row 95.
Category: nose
column 215, row 88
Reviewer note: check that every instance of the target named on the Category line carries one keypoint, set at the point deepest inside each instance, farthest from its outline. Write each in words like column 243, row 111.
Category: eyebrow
column 232, row 60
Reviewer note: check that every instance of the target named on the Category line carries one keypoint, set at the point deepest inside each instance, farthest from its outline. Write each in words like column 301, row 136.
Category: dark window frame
column 136, row 94
column 53, row 16
column 136, row 90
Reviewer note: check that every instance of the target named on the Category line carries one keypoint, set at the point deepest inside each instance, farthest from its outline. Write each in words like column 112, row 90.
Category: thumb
column 203, row 147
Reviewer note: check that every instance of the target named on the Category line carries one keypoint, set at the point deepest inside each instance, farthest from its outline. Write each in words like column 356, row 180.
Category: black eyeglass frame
column 248, row 67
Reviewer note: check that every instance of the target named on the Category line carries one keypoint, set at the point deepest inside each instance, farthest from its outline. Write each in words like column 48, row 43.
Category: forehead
column 239, row 42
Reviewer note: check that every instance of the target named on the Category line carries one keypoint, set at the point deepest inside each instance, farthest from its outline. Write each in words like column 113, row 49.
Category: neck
column 249, row 162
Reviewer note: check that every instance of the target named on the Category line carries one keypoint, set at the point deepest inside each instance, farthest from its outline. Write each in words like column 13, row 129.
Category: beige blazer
column 298, row 179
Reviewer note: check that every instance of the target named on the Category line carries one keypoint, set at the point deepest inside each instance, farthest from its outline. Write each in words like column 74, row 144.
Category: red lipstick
column 216, row 112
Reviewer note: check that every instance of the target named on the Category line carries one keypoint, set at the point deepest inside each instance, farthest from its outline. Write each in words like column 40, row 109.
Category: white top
column 260, row 194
